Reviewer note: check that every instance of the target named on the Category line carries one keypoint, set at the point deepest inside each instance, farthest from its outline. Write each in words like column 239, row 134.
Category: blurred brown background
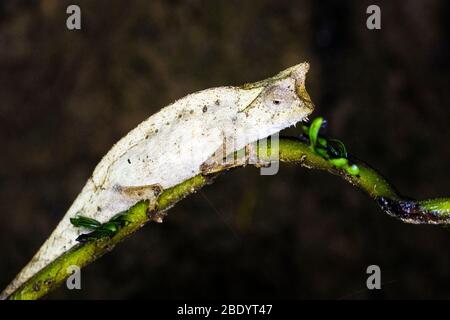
column 67, row 96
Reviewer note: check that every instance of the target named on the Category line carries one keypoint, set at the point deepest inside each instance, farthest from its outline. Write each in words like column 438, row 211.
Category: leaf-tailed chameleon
column 174, row 145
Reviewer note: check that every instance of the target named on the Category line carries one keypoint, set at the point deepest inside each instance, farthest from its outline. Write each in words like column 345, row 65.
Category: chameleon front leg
column 217, row 162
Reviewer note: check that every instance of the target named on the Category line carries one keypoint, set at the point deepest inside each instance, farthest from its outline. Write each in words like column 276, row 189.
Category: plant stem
column 290, row 150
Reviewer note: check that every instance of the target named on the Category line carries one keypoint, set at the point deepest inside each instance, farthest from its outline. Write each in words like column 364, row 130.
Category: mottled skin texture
column 173, row 145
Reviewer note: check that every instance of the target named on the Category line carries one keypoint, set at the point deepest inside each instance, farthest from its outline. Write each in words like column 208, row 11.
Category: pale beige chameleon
column 174, row 145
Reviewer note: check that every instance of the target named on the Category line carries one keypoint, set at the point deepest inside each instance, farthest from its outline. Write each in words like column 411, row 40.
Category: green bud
column 339, row 162
column 352, row 170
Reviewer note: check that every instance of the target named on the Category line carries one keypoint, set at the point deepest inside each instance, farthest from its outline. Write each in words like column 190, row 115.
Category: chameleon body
column 172, row 146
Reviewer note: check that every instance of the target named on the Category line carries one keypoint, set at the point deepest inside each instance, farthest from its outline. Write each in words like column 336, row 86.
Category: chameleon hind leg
column 126, row 197
column 147, row 192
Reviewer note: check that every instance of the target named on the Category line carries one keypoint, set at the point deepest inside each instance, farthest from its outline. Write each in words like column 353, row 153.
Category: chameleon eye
column 277, row 96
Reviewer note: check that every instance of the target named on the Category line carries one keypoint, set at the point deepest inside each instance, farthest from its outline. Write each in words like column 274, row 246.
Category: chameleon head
column 281, row 102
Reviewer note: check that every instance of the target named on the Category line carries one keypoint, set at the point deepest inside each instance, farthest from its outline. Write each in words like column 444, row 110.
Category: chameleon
column 182, row 140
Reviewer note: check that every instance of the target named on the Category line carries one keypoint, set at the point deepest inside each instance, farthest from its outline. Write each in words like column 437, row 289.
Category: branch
column 290, row 150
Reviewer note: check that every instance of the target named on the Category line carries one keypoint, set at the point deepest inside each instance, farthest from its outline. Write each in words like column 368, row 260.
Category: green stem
column 290, row 150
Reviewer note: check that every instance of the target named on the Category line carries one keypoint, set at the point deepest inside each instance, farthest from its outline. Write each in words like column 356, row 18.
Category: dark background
column 67, row 96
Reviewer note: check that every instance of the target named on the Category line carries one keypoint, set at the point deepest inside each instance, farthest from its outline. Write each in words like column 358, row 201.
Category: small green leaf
column 100, row 230
column 314, row 131
column 95, row 235
column 85, row 222
column 111, row 227
column 121, row 219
